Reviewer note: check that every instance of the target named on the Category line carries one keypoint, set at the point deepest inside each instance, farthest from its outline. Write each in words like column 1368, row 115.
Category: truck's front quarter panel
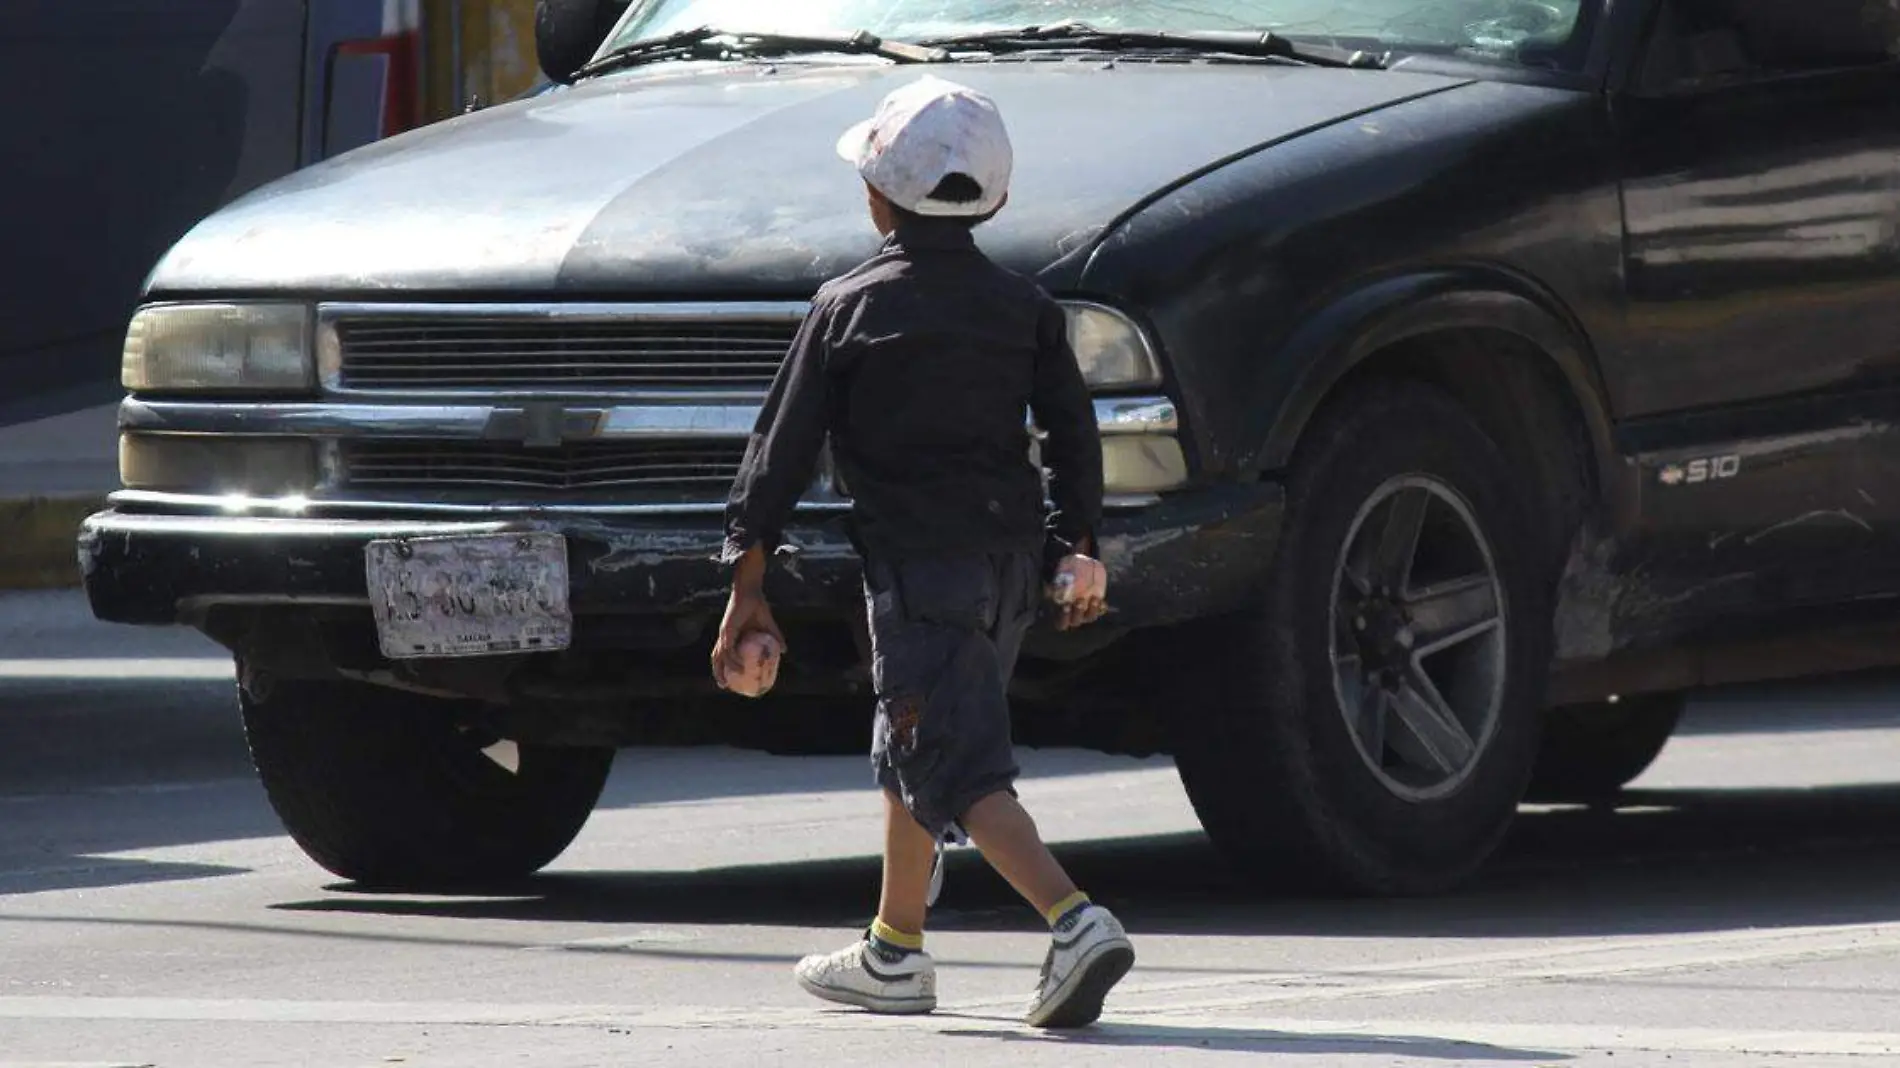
column 1242, row 269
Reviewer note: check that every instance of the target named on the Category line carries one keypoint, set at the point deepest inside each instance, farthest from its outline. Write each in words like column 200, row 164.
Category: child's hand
column 746, row 612
column 1080, row 589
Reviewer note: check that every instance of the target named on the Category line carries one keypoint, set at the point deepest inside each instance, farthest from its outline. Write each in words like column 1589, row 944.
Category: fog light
column 220, row 466
column 1142, row 463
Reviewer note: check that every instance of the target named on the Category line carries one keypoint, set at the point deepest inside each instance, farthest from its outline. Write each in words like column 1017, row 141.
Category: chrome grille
column 702, row 468
column 429, row 351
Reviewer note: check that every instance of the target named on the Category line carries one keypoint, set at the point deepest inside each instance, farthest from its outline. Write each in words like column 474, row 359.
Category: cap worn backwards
column 922, row 134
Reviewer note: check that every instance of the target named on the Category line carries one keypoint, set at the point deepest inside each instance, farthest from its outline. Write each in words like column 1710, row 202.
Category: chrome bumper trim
column 506, row 422
column 766, row 311
column 367, row 507
column 1136, row 415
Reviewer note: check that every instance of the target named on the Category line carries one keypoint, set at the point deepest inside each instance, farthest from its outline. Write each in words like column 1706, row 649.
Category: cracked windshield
column 1532, row 32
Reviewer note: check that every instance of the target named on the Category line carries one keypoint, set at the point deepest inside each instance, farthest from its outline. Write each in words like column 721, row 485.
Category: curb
column 39, row 539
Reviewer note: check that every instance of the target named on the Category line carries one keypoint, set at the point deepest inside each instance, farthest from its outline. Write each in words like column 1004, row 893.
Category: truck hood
column 722, row 179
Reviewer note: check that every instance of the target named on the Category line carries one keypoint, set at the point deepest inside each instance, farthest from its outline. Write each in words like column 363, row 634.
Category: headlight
column 219, row 348
column 1111, row 348
column 217, row 465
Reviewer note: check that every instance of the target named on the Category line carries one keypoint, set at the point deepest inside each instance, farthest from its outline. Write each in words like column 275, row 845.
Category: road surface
column 1737, row 909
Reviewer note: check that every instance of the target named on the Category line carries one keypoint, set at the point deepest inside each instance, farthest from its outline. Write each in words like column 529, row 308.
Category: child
column 920, row 366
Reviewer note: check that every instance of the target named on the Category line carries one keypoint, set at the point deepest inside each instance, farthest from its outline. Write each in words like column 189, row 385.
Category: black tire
column 1279, row 780
column 388, row 789
column 1590, row 752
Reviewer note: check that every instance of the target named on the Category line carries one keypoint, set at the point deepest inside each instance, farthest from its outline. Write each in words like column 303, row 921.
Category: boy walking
column 919, row 366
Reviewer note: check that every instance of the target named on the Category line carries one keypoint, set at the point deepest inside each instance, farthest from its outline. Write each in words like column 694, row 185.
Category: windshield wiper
column 707, row 42
column 1081, row 36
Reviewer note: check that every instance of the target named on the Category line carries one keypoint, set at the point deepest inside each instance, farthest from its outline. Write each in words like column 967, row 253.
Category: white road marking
column 74, row 1064
column 1399, row 1033
column 1630, row 955
column 654, row 937
column 94, row 669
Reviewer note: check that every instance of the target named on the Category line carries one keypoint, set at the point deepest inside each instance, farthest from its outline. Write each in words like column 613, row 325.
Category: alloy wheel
column 1418, row 637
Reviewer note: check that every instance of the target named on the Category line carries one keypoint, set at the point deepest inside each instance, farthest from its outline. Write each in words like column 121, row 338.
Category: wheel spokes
column 1367, row 703
column 1347, row 617
column 1391, row 564
column 1395, row 610
column 1450, row 613
column 1374, row 708
column 1427, row 718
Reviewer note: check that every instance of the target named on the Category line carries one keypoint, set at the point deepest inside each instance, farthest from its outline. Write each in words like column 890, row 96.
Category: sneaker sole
column 869, row 1002
column 1078, row 1002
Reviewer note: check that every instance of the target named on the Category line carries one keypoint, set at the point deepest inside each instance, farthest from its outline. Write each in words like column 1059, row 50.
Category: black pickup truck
column 1476, row 378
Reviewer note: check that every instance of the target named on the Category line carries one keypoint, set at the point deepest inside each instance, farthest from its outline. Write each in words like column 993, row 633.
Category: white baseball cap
column 925, row 132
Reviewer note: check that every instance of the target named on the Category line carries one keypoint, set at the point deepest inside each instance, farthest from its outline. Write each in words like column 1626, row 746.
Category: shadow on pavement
column 97, row 766
column 646, row 776
column 1252, row 1040
column 97, row 873
column 67, row 736
column 1861, row 701
column 1662, row 862
column 100, row 766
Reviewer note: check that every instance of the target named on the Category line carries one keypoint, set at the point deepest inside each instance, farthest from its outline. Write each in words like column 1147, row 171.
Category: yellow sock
column 1061, row 908
column 884, row 932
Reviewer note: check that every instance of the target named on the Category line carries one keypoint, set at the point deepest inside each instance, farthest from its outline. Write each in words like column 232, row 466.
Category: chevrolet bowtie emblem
column 543, row 424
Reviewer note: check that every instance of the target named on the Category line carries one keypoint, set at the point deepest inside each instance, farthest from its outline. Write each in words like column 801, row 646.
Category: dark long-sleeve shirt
column 920, row 366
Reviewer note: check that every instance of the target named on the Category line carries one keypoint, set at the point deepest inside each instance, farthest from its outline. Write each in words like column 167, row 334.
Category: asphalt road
column 1738, row 908
column 75, row 454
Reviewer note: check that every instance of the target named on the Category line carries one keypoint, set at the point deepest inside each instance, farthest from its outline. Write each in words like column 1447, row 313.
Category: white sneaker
column 857, row 975
column 1089, row 954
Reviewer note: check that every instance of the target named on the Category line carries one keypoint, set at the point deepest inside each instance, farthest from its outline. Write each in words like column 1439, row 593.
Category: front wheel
column 391, row 789
column 1372, row 725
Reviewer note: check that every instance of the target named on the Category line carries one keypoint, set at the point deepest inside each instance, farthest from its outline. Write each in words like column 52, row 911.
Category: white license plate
column 475, row 595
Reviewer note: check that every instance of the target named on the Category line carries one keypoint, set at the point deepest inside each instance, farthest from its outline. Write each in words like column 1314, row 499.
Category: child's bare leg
column 908, row 851
column 886, row 971
column 1007, row 836
column 1088, row 950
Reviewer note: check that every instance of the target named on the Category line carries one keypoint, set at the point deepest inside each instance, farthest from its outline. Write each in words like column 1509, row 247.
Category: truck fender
column 1331, row 344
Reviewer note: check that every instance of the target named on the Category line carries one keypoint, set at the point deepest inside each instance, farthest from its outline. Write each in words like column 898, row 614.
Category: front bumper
column 1192, row 555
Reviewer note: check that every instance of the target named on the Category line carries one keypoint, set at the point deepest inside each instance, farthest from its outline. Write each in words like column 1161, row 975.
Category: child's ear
column 880, row 210
column 995, row 211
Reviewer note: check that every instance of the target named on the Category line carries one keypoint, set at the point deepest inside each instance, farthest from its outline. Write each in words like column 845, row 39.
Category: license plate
column 474, row 595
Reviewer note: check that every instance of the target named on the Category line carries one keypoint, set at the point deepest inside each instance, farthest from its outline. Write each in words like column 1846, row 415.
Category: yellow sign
column 477, row 50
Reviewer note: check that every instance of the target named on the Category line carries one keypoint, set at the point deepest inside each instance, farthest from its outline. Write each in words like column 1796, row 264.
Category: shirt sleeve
column 1072, row 450
column 781, row 456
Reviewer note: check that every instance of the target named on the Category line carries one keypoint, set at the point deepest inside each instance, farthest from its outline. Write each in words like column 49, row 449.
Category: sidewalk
column 53, row 473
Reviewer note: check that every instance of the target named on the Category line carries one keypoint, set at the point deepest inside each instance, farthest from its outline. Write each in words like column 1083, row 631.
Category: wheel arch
column 1354, row 330
column 1506, row 349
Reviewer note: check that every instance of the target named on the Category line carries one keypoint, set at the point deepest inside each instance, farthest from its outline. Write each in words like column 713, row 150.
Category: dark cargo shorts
column 945, row 632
